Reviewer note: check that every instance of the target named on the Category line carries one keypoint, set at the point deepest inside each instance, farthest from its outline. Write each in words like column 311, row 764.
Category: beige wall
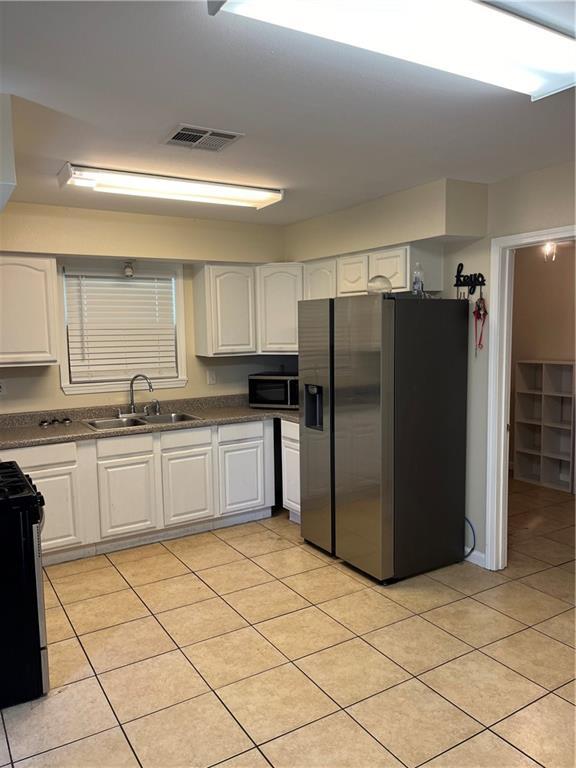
column 78, row 231
column 539, row 200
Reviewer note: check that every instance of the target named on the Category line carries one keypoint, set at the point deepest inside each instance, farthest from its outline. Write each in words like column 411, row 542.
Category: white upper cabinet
column 279, row 291
column 392, row 263
column 225, row 310
column 320, row 279
column 352, row 274
column 28, row 311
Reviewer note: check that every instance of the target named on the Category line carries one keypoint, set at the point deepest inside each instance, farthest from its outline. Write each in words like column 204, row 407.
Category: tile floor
column 246, row 648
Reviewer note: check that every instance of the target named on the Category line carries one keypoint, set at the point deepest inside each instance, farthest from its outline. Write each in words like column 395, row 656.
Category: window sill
column 122, row 386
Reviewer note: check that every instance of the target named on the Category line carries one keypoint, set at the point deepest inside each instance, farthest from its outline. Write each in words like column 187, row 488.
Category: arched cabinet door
column 279, row 291
column 352, row 274
column 28, row 311
column 320, row 279
column 393, row 264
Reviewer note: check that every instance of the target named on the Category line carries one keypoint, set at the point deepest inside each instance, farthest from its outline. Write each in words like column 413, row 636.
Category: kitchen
column 181, row 533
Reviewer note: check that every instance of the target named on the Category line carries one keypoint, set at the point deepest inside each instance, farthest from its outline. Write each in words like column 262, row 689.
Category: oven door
column 269, row 393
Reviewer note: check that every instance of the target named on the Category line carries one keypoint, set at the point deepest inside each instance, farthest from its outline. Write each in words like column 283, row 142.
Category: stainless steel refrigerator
column 383, row 386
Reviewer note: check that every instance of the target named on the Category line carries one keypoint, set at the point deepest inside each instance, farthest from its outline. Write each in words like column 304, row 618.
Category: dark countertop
column 25, row 435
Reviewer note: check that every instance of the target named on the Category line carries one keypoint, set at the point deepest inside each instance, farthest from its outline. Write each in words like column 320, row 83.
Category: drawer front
column 186, row 437
column 246, row 431
column 122, row 446
column 41, row 455
column 291, row 430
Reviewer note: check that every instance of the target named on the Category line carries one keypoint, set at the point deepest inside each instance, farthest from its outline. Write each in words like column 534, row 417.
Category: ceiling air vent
column 192, row 137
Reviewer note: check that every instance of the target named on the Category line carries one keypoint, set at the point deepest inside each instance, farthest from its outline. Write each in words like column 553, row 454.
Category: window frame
column 153, row 269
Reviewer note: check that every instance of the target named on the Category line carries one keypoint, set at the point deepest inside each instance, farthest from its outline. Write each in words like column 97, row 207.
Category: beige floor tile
column 4, row 753
column 251, row 759
column 266, row 601
column 275, row 702
column 147, row 686
column 522, row 565
column 570, row 566
column 563, row 536
column 416, row 644
column 66, row 714
column 290, row 531
column 303, row 632
column 567, row 692
column 233, row 532
column 125, row 644
column 522, row 602
column 544, row 730
column 413, row 722
column 225, row 659
column 72, row 567
column 363, row 578
column 482, row 687
column 539, row 658
column 106, row 611
column 420, row 593
column 108, row 749
column 364, row 611
column 261, row 543
column 287, row 562
column 194, row 541
column 319, row 553
column 149, row 569
column 57, row 625
column 50, row 597
column 137, row 553
column 174, row 593
column 557, row 582
column 486, row 750
column 535, row 522
column 67, row 663
column 193, row 623
column 200, row 729
column 336, row 741
column 545, row 549
column 234, row 576
column 81, row 586
column 322, row 584
column 559, row 627
column 468, row 578
column 351, row 671
column 208, row 555
column 473, row 622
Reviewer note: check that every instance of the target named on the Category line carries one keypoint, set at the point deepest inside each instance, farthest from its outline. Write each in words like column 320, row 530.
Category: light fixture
column 464, row 37
column 167, row 187
column 549, row 251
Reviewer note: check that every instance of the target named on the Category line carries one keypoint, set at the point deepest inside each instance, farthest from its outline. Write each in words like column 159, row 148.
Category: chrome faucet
column 132, row 380
column 154, row 404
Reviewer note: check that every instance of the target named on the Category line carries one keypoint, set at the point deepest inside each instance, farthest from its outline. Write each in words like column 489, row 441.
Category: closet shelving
column 544, row 423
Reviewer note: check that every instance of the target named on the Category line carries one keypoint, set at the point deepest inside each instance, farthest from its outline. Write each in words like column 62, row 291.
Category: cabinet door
column 241, row 476
column 291, row 474
column 352, row 274
column 233, row 309
column 128, row 495
column 28, row 311
column 188, row 485
column 393, row 264
column 320, row 279
column 279, row 291
column 62, row 525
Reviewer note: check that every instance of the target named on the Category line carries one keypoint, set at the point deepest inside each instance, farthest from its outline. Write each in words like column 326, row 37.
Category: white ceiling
column 103, row 83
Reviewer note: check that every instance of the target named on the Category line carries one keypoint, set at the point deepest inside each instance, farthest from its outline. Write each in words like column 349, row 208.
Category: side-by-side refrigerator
column 383, row 384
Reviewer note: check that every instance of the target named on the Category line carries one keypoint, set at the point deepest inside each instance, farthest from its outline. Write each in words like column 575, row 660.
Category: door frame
column 499, row 369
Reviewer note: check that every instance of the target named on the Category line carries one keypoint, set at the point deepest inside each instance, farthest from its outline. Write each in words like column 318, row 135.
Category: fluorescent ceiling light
column 464, row 37
column 167, row 187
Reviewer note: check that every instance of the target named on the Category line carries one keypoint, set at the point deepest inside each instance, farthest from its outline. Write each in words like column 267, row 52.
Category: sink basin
column 115, row 423
column 170, row 418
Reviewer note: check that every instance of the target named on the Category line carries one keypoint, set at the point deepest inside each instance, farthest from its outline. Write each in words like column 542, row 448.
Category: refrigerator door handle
column 314, row 406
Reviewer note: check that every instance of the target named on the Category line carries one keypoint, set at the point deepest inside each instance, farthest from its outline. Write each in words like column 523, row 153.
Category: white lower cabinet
column 188, row 476
column 246, row 472
column 291, row 469
column 129, row 485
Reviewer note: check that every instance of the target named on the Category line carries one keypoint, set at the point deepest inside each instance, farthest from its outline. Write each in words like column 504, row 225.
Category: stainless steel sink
column 115, row 423
column 170, row 418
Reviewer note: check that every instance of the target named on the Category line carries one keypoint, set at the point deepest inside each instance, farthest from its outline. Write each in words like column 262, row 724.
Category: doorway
column 504, row 252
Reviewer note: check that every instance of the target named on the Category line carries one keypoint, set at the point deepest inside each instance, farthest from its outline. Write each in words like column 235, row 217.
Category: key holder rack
column 470, row 282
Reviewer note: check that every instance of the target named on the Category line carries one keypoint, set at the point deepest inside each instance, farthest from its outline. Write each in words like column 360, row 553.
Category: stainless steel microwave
column 273, row 390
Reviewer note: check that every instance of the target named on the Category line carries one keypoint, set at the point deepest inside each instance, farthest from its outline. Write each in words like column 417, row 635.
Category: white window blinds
column 117, row 327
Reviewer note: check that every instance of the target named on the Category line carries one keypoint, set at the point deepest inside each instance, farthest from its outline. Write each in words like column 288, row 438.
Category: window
column 116, row 326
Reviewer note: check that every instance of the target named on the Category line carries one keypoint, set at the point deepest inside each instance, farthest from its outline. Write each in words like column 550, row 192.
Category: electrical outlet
column 211, row 376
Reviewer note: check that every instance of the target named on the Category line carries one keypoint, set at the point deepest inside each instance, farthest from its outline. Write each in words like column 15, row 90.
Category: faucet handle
column 156, row 405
